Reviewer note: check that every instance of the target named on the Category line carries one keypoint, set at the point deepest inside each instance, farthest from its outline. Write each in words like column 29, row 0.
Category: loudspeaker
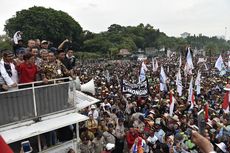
column 89, row 87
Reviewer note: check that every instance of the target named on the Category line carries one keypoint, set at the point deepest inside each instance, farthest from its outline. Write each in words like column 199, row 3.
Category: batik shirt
column 52, row 70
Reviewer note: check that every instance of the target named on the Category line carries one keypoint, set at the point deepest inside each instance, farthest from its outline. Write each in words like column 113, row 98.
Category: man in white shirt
column 159, row 133
column 8, row 70
column 94, row 112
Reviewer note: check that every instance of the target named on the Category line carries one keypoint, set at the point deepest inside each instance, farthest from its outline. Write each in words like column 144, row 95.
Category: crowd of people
column 140, row 124
column 125, row 122
column 36, row 62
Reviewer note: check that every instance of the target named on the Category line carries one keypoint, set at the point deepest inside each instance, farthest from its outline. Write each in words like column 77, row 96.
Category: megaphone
column 88, row 87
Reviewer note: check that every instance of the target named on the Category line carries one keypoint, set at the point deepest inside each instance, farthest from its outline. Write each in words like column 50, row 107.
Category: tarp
column 48, row 124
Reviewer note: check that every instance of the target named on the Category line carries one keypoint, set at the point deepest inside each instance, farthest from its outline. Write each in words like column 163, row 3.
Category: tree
column 45, row 23
column 5, row 42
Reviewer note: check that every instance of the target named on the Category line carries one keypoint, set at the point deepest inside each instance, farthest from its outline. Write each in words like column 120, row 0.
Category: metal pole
column 78, row 137
column 39, row 144
column 34, row 100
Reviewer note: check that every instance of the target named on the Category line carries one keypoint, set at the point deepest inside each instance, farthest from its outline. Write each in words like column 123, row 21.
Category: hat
column 110, row 146
column 150, row 116
column 151, row 112
column 209, row 124
column 222, row 146
column 175, row 118
column 44, row 42
column 216, row 119
column 158, row 121
column 93, row 107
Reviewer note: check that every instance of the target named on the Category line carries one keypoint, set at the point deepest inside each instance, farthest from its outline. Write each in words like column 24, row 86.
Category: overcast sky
column 209, row 17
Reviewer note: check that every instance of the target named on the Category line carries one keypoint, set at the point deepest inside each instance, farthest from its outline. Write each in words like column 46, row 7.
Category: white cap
column 222, row 146
column 93, row 107
column 110, row 146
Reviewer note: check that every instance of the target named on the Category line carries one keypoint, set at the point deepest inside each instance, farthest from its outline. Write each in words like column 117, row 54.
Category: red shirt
column 27, row 73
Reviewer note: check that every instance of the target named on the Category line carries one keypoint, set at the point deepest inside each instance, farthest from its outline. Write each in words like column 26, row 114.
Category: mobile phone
column 26, row 147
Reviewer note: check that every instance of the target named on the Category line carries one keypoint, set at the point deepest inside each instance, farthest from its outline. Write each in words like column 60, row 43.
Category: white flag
column 180, row 61
column 107, row 76
column 229, row 62
column 163, row 78
column 205, row 65
column 179, row 83
column 154, row 64
column 142, row 76
column 197, row 83
column 219, row 63
column 189, row 60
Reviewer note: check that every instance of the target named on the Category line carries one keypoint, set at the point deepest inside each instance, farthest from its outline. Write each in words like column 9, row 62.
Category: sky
column 207, row 17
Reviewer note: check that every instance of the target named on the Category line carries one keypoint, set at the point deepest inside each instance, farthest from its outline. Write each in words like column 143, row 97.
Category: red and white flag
column 4, row 148
column 191, row 97
column 172, row 103
column 225, row 104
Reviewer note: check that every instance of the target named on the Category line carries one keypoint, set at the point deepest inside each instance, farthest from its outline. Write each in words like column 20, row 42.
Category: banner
column 139, row 89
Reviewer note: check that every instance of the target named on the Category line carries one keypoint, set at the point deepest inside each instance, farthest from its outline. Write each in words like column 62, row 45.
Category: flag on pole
column 154, row 64
column 191, row 97
column 197, row 83
column 205, row 65
column 4, row 148
column 163, row 78
column 189, row 60
column 219, row 63
column 225, row 104
column 142, row 76
column 179, row 83
column 172, row 102
column 188, row 65
column 180, row 61
column 107, row 76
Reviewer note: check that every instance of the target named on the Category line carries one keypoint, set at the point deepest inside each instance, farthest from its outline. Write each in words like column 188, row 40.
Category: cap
column 158, row 121
column 110, row 146
column 175, row 118
column 93, row 107
column 44, row 42
column 222, row 146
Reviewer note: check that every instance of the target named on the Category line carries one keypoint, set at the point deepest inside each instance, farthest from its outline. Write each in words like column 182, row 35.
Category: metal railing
column 37, row 100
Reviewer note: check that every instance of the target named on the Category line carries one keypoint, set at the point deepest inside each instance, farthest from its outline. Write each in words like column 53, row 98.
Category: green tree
column 5, row 42
column 45, row 23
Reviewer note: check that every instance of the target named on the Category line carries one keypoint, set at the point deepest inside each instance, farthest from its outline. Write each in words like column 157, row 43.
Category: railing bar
column 32, row 88
column 53, row 113
column 34, row 101
column 35, row 82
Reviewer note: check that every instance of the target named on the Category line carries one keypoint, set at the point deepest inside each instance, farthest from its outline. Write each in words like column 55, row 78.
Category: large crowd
column 124, row 122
